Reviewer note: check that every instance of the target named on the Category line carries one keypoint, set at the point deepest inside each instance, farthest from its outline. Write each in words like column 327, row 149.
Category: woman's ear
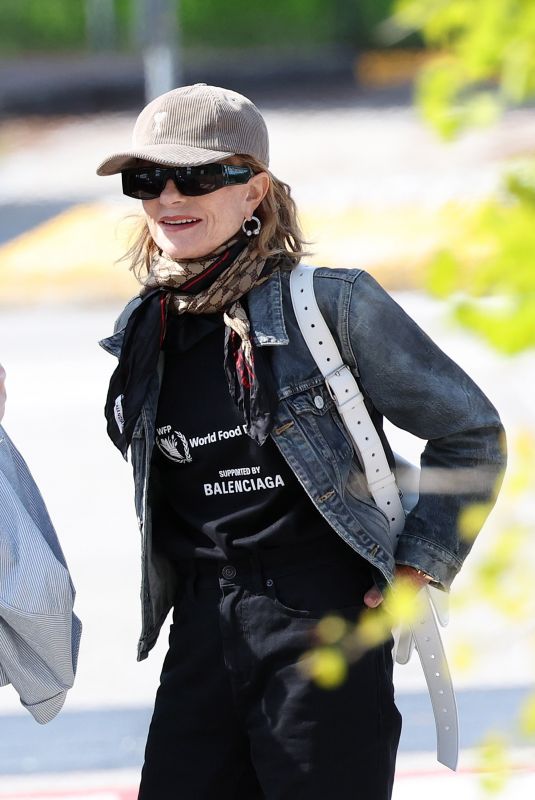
column 257, row 188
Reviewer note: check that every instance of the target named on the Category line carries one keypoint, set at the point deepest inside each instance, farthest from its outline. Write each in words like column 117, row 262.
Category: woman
column 255, row 519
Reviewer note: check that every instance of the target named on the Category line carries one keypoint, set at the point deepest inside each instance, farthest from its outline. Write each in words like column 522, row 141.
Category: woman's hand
column 374, row 597
column 2, row 391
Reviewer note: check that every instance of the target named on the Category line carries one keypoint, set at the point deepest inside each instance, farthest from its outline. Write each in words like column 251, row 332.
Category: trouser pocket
column 334, row 585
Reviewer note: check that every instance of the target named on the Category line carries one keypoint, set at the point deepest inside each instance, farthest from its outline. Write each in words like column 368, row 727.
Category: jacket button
column 319, row 402
column 228, row 572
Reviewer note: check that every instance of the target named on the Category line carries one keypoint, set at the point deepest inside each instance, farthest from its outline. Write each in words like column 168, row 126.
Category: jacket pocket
column 315, row 414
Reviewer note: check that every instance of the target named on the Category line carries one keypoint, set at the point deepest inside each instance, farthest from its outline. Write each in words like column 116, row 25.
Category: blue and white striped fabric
column 39, row 634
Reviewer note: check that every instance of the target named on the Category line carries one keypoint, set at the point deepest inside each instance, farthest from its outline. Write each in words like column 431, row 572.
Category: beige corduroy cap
column 194, row 125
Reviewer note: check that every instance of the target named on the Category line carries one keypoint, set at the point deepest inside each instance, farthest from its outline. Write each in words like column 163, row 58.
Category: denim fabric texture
column 405, row 377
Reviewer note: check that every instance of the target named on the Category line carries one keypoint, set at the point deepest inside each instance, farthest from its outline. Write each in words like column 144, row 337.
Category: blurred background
column 406, row 129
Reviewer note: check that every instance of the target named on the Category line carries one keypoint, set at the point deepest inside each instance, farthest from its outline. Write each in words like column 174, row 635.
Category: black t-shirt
column 215, row 492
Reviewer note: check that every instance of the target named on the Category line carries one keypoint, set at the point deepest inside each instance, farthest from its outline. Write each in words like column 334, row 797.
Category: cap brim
column 170, row 155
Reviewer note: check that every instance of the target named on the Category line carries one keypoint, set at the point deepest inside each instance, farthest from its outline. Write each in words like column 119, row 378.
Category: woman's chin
column 182, row 244
column 190, row 244
column 184, row 250
column 178, row 254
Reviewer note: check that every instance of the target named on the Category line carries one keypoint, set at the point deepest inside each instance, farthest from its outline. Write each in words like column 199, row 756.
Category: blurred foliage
column 501, row 585
column 494, row 763
column 244, row 24
column 59, row 25
column 527, row 718
column 368, row 16
column 502, row 580
column 48, row 25
column 485, row 63
column 490, row 272
column 488, row 57
column 53, row 25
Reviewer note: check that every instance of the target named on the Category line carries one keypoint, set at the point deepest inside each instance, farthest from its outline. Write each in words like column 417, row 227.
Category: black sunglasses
column 146, row 183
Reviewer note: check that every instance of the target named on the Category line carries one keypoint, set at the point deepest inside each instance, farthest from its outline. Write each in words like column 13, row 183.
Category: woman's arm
column 420, row 389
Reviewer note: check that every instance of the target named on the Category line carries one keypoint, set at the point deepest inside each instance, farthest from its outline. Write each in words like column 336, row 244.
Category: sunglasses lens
column 144, row 184
column 147, row 183
column 234, row 175
column 199, row 183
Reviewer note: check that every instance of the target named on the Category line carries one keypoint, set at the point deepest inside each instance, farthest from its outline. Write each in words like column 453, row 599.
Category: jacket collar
column 266, row 313
column 114, row 343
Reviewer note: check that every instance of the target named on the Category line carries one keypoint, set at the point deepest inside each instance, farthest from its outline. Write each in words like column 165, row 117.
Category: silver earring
column 255, row 230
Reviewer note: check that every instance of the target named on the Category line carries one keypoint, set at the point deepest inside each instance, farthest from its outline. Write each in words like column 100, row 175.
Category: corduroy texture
column 194, row 125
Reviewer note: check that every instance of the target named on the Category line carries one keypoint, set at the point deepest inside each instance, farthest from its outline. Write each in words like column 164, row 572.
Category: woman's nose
column 170, row 192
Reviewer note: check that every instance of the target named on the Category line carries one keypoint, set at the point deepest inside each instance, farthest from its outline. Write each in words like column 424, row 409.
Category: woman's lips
column 179, row 223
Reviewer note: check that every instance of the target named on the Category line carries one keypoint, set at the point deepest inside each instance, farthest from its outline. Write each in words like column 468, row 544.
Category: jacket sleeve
column 420, row 389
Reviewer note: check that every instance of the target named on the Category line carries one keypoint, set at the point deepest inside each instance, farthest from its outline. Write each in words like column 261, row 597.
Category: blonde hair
column 280, row 233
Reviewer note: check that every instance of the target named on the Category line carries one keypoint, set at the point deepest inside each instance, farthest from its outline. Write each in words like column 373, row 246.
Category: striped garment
column 39, row 634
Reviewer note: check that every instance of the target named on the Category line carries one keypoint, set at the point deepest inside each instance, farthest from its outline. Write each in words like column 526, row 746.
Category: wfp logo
column 173, row 445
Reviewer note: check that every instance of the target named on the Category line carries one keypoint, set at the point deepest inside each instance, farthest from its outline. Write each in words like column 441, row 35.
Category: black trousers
column 235, row 719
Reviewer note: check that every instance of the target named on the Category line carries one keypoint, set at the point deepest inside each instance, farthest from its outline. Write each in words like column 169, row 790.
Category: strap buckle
column 343, row 379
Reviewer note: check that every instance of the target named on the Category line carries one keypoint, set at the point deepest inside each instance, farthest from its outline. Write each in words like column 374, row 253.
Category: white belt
column 344, row 390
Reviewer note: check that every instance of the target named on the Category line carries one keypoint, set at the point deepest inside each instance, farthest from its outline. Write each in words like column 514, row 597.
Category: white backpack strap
column 349, row 400
column 426, row 634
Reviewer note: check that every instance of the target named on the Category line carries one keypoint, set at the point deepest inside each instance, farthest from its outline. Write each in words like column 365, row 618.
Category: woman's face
column 207, row 220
